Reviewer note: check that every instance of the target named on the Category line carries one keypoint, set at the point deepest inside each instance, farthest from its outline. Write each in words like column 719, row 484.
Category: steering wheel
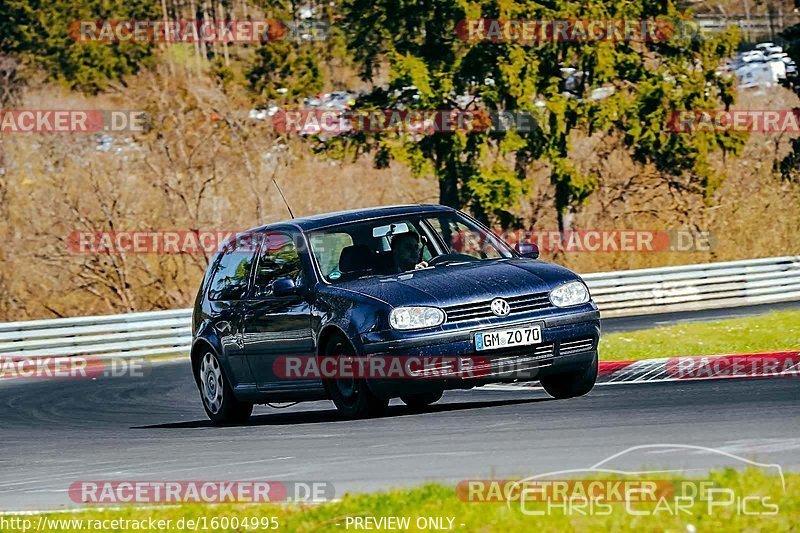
column 454, row 257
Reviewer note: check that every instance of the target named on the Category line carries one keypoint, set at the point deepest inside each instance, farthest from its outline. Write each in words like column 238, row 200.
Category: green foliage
column 222, row 73
column 285, row 64
column 436, row 500
column 418, row 40
column 496, row 186
column 685, row 80
column 297, row 65
column 770, row 332
column 431, row 67
column 41, row 34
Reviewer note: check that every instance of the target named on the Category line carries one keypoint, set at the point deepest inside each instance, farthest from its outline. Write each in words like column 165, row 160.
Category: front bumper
column 569, row 342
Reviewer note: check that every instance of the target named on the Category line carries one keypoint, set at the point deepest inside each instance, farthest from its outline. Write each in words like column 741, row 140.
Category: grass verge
column 763, row 490
column 778, row 331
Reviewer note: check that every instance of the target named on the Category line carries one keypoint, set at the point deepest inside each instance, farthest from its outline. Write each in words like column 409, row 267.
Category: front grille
column 481, row 310
column 576, row 346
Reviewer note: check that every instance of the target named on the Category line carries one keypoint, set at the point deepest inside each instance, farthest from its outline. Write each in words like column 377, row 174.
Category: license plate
column 508, row 338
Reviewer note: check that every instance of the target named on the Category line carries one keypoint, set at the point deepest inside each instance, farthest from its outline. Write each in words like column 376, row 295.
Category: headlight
column 415, row 317
column 569, row 294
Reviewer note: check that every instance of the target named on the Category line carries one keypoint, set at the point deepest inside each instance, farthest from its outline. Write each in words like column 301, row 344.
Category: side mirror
column 527, row 249
column 284, row 287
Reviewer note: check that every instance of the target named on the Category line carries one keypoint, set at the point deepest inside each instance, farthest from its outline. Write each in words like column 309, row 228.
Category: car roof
column 324, row 220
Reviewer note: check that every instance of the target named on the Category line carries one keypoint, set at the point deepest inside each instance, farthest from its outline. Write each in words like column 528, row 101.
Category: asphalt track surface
column 153, row 428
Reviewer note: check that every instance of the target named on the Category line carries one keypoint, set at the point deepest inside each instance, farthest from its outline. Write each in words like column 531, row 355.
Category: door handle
column 239, row 340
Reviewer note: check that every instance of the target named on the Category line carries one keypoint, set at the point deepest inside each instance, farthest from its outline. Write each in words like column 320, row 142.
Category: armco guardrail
column 107, row 336
column 620, row 293
column 691, row 287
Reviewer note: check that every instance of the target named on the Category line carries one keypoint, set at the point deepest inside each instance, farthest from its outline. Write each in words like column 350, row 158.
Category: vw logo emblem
column 500, row 307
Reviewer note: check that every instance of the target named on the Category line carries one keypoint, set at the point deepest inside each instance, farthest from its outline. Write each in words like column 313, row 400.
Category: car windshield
column 389, row 246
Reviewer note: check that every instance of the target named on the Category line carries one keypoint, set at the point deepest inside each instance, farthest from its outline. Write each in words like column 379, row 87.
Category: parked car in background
column 764, row 66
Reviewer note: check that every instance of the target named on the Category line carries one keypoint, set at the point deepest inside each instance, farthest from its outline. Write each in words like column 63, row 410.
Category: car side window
column 328, row 248
column 278, row 259
column 232, row 274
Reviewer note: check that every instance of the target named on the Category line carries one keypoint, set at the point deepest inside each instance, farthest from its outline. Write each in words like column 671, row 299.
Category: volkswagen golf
column 287, row 311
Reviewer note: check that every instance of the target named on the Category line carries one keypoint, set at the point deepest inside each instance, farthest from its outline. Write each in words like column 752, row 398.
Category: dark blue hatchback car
column 422, row 283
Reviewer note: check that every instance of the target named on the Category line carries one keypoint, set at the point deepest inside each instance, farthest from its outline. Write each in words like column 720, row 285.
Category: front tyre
column 573, row 384
column 351, row 396
column 220, row 404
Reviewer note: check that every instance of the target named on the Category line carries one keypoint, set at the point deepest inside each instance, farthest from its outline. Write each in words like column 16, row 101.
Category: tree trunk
column 448, row 190
column 221, row 17
column 198, row 54
column 447, row 173
column 165, row 14
column 208, row 14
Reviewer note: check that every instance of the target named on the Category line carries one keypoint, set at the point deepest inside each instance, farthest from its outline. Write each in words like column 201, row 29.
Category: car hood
column 463, row 283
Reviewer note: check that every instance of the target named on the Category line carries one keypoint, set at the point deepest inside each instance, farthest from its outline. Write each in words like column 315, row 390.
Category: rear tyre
column 220, row 404
column 572, row 384
column 351, row 396
column 421, row 401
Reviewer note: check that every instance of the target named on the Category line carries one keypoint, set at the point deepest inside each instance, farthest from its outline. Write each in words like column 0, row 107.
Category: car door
column 227, row 291
column 277, row 325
